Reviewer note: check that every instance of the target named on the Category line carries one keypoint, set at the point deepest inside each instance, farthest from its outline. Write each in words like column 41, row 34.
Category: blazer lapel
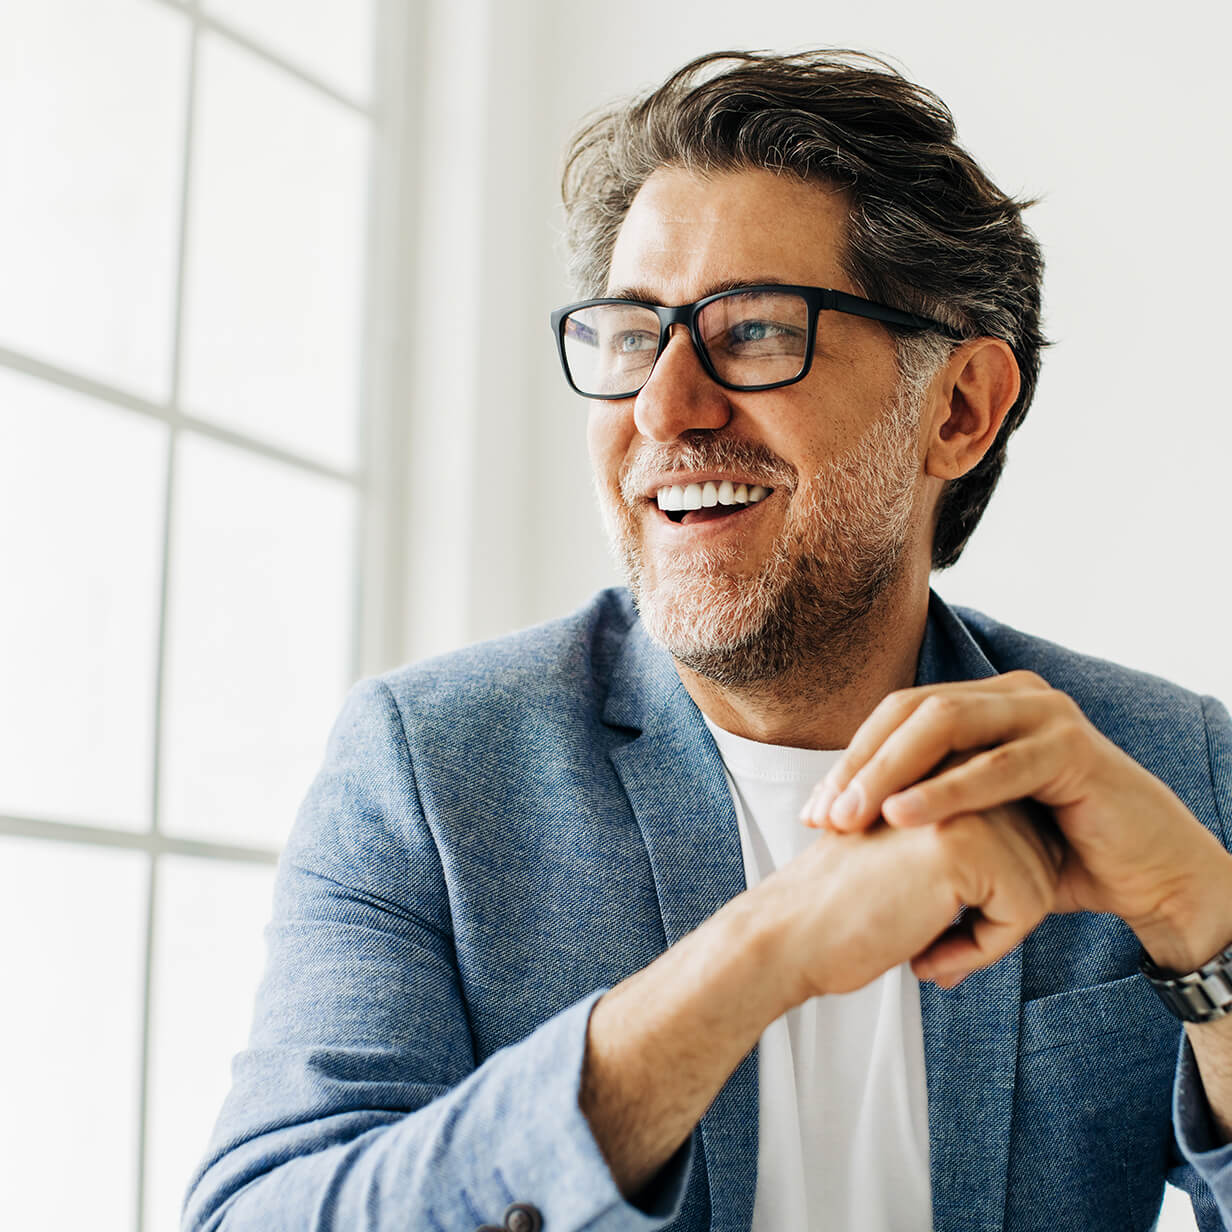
column 673, row 776
column 971, row 1031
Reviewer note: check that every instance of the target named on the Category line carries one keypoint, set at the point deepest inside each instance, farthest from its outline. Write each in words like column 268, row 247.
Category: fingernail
column 848, row 805
column 814, row 812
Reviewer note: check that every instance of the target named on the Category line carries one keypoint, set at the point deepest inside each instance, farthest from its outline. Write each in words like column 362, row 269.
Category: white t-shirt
column 843, row 1109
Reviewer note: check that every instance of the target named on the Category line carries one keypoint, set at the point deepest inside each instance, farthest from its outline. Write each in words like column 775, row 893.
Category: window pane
column 81, row 516
column 207, row 962
column 332, row 39
column 259, row 639
column 71, row 1034
column 92, row 104
column 275, row 251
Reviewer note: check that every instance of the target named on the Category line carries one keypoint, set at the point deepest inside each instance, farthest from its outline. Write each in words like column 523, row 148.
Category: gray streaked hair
column 928, row 231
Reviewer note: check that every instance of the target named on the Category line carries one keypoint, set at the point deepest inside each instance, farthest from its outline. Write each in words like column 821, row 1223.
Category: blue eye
column 634, row 342
column 756, row 331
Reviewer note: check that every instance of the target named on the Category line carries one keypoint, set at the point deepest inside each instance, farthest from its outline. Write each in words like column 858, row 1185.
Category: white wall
column 1108, row 530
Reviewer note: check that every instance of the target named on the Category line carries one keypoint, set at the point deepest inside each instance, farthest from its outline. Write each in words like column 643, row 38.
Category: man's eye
column 633, row 342
column 758, row 337
column 757, row 331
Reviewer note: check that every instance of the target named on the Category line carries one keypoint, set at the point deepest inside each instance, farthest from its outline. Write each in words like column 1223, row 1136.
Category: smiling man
column 792, row 594
column 773, row 892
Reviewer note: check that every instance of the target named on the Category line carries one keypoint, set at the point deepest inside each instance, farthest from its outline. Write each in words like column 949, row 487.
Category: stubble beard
column 800, row 614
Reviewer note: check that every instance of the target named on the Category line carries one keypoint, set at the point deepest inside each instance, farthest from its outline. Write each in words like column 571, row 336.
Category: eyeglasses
column 749, row 338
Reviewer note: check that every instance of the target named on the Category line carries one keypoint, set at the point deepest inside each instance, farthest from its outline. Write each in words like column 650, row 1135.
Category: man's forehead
column 688, row 235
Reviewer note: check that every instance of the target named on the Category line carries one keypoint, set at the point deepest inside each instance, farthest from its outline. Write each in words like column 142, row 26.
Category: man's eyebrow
column 645, row 295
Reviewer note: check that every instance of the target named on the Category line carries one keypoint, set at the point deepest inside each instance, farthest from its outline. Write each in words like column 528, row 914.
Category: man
column 551, row 948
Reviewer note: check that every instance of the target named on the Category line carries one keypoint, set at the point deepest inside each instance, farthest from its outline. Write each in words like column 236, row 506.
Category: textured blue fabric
column 499, row 835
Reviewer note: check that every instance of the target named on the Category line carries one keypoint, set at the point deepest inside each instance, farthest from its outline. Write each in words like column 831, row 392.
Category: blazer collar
column 673, row 776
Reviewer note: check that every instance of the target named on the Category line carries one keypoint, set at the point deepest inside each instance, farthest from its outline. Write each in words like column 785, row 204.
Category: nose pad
column 679, row 395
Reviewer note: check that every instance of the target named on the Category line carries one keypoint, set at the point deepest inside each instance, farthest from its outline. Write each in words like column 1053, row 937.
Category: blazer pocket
column 1093, row 1110
column 1127, row 1005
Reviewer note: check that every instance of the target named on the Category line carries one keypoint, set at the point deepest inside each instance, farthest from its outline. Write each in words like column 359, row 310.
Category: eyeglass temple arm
column 856, row 306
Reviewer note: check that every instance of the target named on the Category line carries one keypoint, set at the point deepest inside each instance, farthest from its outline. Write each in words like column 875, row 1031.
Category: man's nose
column 679, row 395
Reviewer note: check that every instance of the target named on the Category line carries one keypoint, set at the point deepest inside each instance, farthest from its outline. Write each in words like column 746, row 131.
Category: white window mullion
column 383, row 540
column 150, row 940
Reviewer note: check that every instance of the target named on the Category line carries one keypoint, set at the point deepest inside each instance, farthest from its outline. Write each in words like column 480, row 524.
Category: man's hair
column 928, row 230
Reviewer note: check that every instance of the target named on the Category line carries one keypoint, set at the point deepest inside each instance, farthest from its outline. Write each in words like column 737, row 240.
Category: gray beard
column 808, row 623
column 802, row 614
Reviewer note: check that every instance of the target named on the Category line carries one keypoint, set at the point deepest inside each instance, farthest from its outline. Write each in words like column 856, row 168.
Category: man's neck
column 821, row 704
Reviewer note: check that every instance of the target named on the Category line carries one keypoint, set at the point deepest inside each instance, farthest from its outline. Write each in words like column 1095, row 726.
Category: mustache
column 706, row 453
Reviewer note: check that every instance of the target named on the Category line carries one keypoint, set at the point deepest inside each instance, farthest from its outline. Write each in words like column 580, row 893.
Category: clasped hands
column 1020, row 807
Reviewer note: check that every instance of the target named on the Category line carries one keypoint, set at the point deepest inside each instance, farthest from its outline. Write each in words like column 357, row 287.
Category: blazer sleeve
column 1195, row 1135
column 358, row 1103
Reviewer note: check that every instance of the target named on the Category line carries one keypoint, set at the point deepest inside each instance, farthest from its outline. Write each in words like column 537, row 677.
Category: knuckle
column 941, row 708
column 899, row 704
column 1069, row 724
column 1029, row 679
column 1001, row 760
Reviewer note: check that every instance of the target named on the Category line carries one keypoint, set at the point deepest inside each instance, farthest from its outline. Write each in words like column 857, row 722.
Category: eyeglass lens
column 751, row 338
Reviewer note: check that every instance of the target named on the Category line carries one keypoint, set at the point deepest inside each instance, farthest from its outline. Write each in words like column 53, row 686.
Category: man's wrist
column 755, row 934
column 1194, row 923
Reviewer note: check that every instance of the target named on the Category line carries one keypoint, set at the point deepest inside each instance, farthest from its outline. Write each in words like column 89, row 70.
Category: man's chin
column 712, row 624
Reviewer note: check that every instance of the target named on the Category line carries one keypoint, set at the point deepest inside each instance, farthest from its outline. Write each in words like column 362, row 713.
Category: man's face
column 741, row 593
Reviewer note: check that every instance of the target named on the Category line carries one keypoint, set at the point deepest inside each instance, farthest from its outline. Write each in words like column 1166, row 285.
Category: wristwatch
column 1200, row 996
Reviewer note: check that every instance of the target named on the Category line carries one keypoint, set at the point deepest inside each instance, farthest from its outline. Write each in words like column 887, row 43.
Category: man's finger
column 852, row 794
column 982, row 780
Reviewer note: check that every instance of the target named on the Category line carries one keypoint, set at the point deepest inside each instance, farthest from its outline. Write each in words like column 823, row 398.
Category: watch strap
column 1197, row 996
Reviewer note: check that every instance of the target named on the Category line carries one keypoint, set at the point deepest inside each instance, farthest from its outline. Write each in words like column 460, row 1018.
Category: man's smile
column 695, row 498
column 710, row 498
column 727, row 482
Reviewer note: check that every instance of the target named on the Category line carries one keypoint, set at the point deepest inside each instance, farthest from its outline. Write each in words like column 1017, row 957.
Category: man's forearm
column 661, row 1044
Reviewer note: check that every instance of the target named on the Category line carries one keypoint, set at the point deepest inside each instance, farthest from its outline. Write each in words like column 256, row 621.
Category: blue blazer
column 499, row 835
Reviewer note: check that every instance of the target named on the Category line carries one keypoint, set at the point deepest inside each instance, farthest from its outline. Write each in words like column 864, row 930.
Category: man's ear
column 972, row 395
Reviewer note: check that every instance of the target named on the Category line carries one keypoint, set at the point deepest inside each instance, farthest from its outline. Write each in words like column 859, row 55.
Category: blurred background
column 279, row 408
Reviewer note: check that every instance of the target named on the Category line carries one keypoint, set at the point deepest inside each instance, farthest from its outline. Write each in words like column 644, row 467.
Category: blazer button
column 520, row 1217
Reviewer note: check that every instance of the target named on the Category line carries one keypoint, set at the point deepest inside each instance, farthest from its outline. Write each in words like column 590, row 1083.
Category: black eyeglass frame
column 817, row 299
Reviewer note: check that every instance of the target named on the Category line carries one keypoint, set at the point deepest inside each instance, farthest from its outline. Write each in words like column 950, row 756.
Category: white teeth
column 706, row 495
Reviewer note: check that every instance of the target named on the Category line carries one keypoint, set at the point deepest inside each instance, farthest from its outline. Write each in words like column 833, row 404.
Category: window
column 191, row 508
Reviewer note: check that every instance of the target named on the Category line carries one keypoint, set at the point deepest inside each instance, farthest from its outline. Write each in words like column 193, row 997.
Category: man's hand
column 848, row 908
column 1131, row 846
column 851, row 906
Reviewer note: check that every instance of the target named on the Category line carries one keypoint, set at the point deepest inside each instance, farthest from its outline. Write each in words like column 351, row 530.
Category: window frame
column 380, row 549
